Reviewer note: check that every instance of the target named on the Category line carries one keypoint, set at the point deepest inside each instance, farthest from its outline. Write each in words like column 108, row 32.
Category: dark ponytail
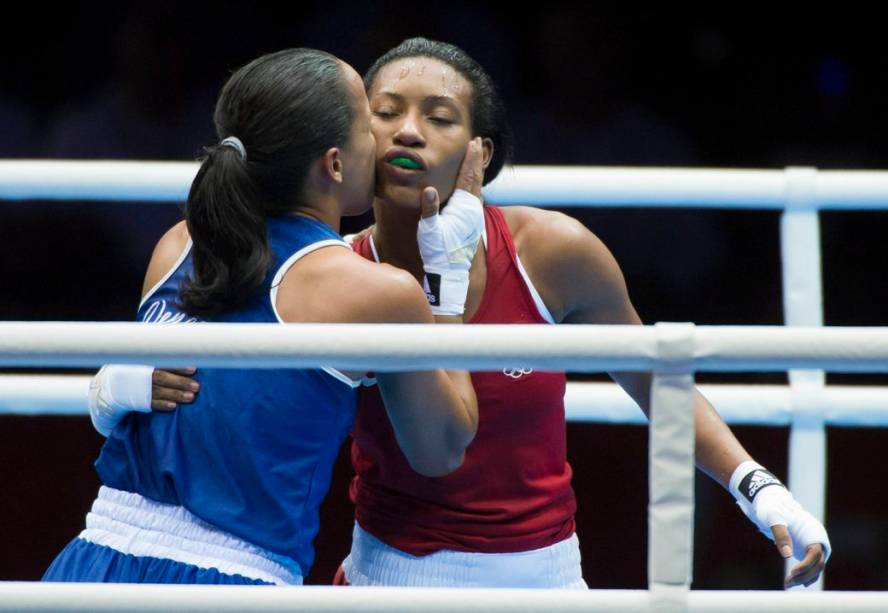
column 287, row 108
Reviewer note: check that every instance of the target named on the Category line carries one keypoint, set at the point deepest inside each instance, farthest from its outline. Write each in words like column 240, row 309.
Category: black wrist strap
column 432, row 286
column 756, row 481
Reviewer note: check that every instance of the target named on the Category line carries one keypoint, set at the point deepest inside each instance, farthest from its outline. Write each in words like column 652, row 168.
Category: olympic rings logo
column 517, row 373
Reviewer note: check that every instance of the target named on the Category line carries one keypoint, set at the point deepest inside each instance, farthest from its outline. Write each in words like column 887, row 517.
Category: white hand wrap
column 447, row 243
column 116, row 390
column 766, row 502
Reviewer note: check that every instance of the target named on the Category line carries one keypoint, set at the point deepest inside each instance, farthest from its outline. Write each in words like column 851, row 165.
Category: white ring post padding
column 126, row 181
column 803, row 306
column 671, row 450
column 135, row 598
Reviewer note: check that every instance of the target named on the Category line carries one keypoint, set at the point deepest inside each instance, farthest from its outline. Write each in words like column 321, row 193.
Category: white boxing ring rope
column 602, row 403
column 673, row 351
column 798, row 192
column 133, row 598
column 393, row 347
column 543, row 186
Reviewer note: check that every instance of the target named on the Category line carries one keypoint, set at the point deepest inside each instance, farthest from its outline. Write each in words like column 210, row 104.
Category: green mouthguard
column 405, row 163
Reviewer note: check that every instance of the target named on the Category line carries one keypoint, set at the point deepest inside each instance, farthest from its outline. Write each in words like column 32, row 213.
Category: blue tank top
column 253, row 455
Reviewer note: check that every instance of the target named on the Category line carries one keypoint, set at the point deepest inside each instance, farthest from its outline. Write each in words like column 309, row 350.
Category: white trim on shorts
column 138, row 526
column 372, row 562
column 279, row 276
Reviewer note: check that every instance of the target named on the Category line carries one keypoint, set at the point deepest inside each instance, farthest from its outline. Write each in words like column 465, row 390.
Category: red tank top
column 512, row 492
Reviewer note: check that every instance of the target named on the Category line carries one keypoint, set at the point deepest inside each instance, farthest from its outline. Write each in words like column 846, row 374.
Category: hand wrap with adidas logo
column 767, row 502
column 116, row 390
column 447, row 243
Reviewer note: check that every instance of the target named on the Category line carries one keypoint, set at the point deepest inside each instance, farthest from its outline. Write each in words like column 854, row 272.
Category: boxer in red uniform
column 513, row 492
column 506, row 516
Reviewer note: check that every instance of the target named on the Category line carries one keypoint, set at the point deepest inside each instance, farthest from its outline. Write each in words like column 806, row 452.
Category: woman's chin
column 400, row 196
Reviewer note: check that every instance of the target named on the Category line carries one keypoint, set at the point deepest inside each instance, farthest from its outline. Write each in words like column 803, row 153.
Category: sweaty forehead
column 422, row 76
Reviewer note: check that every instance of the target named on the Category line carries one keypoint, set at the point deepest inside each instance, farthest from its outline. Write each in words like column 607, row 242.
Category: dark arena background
column 582, row 87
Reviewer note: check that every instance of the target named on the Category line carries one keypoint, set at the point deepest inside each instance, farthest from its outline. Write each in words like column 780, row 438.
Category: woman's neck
column 394, row 237
column 324, row 214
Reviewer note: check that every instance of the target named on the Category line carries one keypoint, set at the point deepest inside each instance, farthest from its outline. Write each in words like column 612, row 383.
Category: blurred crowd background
column 582, row 86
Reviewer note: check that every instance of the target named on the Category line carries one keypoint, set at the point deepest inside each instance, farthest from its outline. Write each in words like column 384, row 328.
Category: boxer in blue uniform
column 228, row 490
column 244, row 439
